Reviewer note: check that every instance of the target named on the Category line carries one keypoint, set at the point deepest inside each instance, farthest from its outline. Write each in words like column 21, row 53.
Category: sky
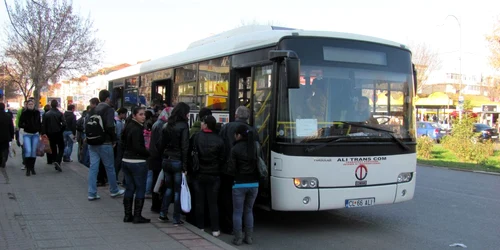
column 136, row 30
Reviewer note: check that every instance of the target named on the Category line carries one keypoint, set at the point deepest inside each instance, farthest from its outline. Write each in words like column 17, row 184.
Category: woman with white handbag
column 30, row 124
column 175, row 148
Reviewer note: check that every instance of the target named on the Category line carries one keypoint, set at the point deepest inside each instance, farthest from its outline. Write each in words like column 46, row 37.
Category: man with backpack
column 101, row 138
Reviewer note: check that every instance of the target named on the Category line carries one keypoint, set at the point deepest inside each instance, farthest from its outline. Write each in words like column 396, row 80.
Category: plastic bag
column 159, row 182
column 185, row 195
column 40, row 150
column 261, row 164
column 44, row 140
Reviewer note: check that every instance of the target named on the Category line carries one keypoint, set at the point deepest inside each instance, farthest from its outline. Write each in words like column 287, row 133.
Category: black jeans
column 226, row 203
column 207, row 186
column 155, row 166
column 4, row 156
column 57, row 146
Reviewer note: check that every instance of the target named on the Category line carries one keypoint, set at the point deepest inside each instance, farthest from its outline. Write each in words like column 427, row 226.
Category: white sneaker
column 216, row 233
column 120, row 192
column 23, row 167
column 93, row 198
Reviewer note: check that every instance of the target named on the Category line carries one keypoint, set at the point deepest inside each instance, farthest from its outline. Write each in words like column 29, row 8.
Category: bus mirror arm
column 292, row 66
column 415, row 82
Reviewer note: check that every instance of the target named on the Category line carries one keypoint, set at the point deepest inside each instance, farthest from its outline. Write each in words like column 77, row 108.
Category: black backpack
column 80, row 124
column 94, row 130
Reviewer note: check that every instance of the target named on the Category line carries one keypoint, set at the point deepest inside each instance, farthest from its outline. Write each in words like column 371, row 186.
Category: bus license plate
column 364, row 202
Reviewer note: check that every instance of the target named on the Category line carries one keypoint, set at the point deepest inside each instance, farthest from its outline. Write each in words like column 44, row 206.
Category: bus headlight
column 309, row 182
column 405, row 177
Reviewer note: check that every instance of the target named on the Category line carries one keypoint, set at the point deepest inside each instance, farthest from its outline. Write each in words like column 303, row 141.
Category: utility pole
column 460, row 96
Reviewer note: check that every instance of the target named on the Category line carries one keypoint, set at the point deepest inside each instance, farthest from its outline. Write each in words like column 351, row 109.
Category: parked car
column 431, row 130
column 487, row 132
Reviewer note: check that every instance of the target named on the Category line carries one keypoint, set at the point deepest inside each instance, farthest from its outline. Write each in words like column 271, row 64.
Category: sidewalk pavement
column 50, row 210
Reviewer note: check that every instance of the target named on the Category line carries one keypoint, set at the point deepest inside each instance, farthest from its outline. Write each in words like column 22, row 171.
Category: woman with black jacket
column 175, row 147
column 243, row 164
column 210, row 148
column 134, row 166
column 30, row 122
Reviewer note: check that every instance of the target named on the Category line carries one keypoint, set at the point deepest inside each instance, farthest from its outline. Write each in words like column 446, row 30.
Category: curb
column 82, row 171
column 460, row 169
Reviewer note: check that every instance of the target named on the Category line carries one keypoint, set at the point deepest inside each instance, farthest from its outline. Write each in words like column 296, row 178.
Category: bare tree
column 492, row 87
column 48, row 41
column 426, row 61
column 16, row 80
column 494, row 45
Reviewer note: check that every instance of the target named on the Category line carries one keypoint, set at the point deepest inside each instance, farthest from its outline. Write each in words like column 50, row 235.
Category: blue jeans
column 68, row 144
column 243, row 200
column 149, row 182
column 105, row 153
column 173, row 179
column 30, row 143
column 135, row 178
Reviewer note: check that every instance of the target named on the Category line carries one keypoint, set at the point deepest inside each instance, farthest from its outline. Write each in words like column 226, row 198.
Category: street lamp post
column 460, row 97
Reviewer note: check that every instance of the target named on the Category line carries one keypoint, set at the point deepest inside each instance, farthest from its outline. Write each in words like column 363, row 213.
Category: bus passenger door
column 162, row 92
column 261, row 116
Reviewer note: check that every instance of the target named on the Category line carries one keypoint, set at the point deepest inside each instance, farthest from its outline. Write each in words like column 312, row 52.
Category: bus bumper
column 286, row 197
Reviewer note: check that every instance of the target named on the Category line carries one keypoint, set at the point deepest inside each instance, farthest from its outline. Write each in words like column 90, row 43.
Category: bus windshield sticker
column 307, row 127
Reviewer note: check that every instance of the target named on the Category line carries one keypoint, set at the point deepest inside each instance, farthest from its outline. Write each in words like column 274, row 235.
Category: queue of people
column 224, row 175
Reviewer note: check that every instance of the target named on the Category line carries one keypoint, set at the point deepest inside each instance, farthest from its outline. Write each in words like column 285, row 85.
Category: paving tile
column 95, row 241
column 53, row 243
column 70, row 221
column 118, row 239
column 81, row 234
column 74, row 227
column 206, row 248
column 48, row 235
column 175, row 230
column 33, row 217
column 45, row 228
column 196, row 243
column 186, row 236
column 132, row 246
column 170, row 245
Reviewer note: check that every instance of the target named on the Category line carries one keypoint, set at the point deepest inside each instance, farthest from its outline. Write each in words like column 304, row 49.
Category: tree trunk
column 36, row 95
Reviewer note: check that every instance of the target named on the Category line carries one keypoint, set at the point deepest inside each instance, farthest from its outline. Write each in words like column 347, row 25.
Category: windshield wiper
column 326, row 142
column 361, row 125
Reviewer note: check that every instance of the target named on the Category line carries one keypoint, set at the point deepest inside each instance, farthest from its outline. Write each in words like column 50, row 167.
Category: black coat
column 30, row 121
column 211, row 155
column 133, row 143
column 7, row 128
column 175, row 142
column 53, row 122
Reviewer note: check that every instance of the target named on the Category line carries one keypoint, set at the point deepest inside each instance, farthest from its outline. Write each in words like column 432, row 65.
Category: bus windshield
column 331, row 96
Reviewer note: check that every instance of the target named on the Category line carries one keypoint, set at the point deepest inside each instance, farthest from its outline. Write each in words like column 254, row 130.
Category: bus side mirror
column 292, row 66
column 292, row 71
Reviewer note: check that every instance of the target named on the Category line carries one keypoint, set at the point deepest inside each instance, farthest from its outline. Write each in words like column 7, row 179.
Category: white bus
column 305, row 90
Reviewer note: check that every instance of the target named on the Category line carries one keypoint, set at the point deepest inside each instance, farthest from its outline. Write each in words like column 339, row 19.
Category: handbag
column 159, row 182
column 195, row 155
column 185, row 195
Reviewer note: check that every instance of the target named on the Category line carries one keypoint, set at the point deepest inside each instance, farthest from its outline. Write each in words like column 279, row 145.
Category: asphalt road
column 448, row 207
